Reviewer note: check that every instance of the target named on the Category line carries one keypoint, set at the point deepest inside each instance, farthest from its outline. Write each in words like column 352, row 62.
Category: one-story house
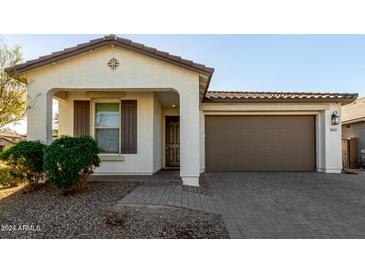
column 148, row 110
column 5, row 142
column 353, row 127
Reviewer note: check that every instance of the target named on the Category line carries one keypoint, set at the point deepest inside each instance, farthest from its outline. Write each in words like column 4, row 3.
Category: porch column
column 39, row 116
column 189, row 137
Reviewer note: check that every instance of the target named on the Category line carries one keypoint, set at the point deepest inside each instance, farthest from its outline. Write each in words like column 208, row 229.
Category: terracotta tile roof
column 110, row 40
column 354, row 112
column 263, row 97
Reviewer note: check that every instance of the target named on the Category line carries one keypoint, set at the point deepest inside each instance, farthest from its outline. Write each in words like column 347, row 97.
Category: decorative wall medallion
column 113, row 64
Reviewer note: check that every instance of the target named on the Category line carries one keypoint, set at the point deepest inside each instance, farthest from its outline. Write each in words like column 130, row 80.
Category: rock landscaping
column 46, row 213
column 92, row 213
column 166, row 222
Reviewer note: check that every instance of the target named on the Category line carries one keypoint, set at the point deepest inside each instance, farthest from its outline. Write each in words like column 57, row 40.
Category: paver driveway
column 290, row 205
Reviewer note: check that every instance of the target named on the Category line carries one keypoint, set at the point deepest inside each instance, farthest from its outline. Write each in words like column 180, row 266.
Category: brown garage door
column 260, row 143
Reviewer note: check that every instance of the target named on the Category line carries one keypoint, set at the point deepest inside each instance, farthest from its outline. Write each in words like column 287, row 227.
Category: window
column 107, row 127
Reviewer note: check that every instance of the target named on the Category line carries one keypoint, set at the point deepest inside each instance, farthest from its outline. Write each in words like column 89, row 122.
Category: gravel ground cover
column 165, row 222
column 46, row 213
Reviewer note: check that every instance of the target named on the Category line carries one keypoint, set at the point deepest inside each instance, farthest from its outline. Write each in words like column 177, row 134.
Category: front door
column 172, row 141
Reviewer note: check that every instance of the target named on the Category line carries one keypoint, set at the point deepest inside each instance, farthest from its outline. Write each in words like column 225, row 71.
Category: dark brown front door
column 172, row 141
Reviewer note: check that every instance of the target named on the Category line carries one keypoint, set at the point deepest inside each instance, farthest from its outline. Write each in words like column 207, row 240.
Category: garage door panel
column 260, row 143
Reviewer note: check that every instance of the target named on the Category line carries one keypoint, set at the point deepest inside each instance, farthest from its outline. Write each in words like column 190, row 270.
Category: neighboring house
column 5, row 142
column 9, row 138
column 353, row 126
column 148, row 109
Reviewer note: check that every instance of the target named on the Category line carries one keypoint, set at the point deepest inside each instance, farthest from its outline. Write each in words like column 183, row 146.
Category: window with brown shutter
column 81, row 118
column 128, row 126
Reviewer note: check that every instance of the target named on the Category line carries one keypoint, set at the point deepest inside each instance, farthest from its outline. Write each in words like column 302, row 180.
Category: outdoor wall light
column 335, row 119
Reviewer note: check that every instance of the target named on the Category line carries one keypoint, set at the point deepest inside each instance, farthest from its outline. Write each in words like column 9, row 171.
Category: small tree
column 13, row 104
column 26, row 156
column 68, row 162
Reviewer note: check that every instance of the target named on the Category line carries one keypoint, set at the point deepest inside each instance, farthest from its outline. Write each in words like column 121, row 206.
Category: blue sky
column 245, row 62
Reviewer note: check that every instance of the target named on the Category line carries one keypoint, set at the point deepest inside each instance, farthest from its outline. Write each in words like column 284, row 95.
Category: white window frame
column 93, row 120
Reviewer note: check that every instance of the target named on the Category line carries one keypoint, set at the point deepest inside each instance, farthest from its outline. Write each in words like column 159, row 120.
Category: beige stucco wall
column 135, row 73
column 147, row 140
column 331, row 149
column 328, row 136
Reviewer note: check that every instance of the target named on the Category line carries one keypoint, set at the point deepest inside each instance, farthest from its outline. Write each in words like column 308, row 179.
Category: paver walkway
column 171, row 196
column 274, row 205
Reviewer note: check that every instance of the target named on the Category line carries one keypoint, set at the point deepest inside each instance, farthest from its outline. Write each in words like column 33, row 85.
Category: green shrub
column 10, row 177
column 68, row 161
column 26, row 157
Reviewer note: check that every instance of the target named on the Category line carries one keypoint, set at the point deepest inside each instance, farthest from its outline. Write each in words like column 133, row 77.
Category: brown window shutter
column 129, row 126
column 81, row 118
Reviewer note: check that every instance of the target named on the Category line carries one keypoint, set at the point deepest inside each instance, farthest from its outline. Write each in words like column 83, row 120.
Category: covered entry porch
column 137, row 131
